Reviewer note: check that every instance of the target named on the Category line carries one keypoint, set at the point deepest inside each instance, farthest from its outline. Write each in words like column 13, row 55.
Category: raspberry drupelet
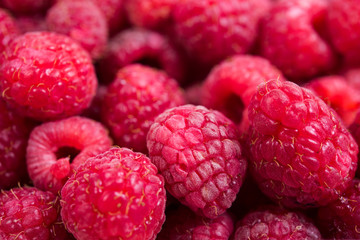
column 140, row 46
column 132, row 102
column 182, row 223
column 14, row 133
column 46, row 76
column 83, row 21
column 8, row 29
column 119, row 193
column 56, row 149
column 198, row 152
column 301, row 153
column 28, row 213
column 270, row 222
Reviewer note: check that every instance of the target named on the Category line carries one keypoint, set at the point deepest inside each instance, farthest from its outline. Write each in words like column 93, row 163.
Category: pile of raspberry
column 179, row 119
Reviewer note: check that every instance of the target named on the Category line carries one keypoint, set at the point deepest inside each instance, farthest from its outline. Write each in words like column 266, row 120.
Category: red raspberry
column 198, row 152
column 153, row 14
column 301, row 153
column 344, row 27
column 8, row 29
column 212, row 30
column 46, row 76
column 340, row 219
column 275, row 223
column 27, row 6
column 353, row 77
column 82, row 21
column 338, row 94
column 119, row 193
column 143, row 46
column 33, row 23
column 14, row 133
column 134, row 99
column 29, row 213
column 231, row 84
column 184, row 224
column 56, row 149
column 290, row 39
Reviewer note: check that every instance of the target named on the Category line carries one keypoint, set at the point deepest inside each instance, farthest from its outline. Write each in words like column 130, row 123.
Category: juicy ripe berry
column 301, row 153
column 120, row 195
column 198, row 153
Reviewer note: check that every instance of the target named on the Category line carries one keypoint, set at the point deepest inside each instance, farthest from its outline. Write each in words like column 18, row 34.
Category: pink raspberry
column 14, row 133
column 56, row 149
column 83, row 21
column 275, row 223
column 338, row 94
column 32, row 23
column 198, row 152
column 8, row 29
column 301, row 153
column 133, row 100
column 142, row 46
column 152, row 14
column 344, row 27
column 292, row 38
column 28, row 213
column 340, row 219
column 231, row 84
column 212, row 30
column 27, row 6
column 181, row 223
column 119, row 193
column 46, row 76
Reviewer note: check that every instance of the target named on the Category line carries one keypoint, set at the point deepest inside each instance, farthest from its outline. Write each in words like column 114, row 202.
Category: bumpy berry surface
column 8, row 29
column 46, row 76
column 301, row 153
column 184, row 224
column 143, row 46
column 28, row 213
column 339, row 94
column 275, row 223
column 231, row 84
column 344, row 27
column 290, row 40
column 83, row 21
column 134, row 99
column 340, row 219
column 198, row 152
column 153, row 14
column 119, row 193
column 13, row 140
column 212, row 30
column 56, row 149
column 27, row 6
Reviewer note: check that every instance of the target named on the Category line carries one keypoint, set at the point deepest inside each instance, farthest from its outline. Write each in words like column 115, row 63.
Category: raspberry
column 119, row 193
column 184, row 224
column 27, row 6
column 134, row 99
column 353, row 77
column 28, row 213
column 231, row 84
column 275, row 223
column 46, row 76
column 33, row 23
column 344, row 28
column 56, row 149
column 198, row 153
column 338, row 94
column 301, row 153
column 143, row 46
column 340, row 219
column 290, row 40
column 212, row 30
column 82, row 21
column 8, row 29
column 152, row 14
column 13, row 139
